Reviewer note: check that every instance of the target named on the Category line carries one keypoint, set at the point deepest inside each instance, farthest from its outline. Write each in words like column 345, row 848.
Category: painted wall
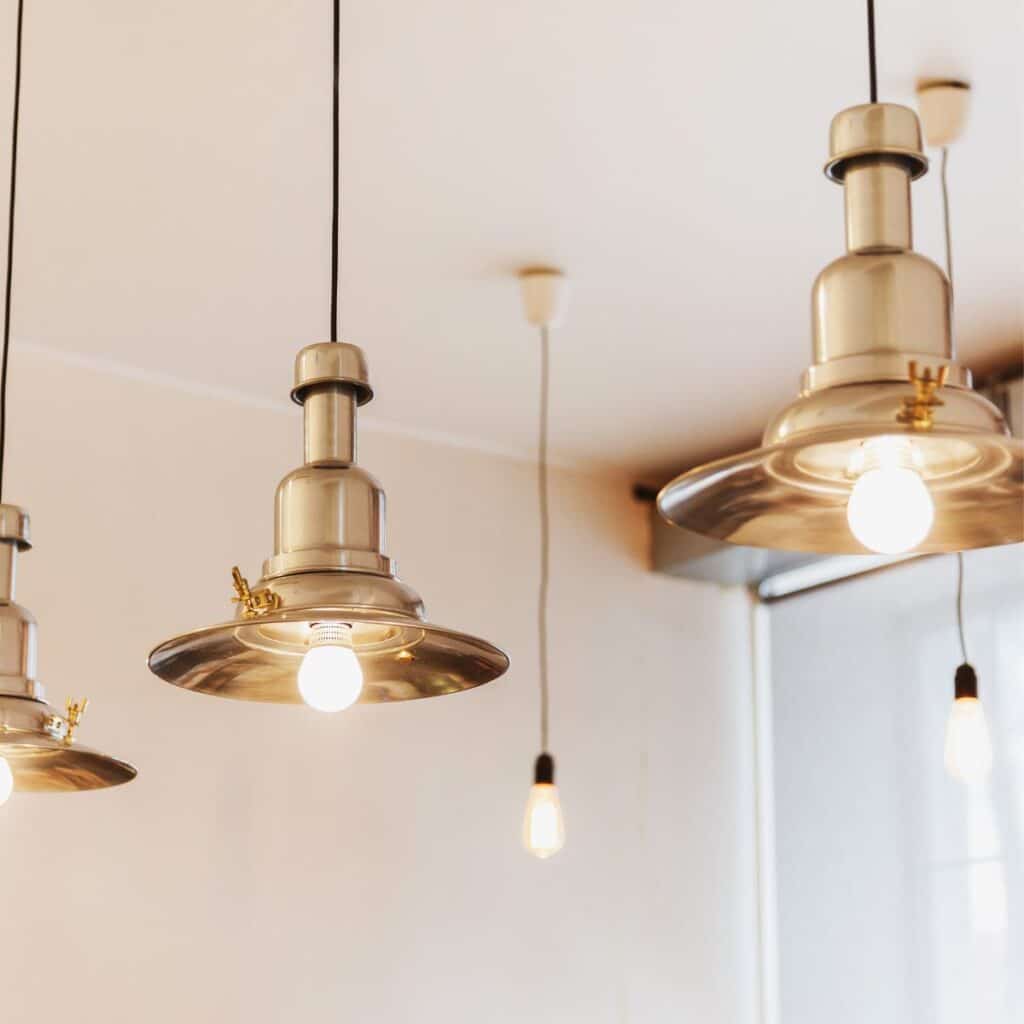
column 271, row 864
column 900, row 891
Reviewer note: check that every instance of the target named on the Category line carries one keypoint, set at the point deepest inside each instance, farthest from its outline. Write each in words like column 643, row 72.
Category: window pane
column 901, row 891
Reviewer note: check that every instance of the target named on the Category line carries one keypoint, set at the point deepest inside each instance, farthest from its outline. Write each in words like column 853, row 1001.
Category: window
column 900, row 891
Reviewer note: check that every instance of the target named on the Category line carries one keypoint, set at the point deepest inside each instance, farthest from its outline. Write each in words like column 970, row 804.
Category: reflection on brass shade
column 37, row 742
column 40, row 763
column 328, row 566
column 883, row 369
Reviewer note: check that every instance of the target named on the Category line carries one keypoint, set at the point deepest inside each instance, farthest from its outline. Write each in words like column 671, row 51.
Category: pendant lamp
column 968, row 747
column 887, row 449
column 968, row 743
column 544, row 294
column 39, row 751
column 329, row 622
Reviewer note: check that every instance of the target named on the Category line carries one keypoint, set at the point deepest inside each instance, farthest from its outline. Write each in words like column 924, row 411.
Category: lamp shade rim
column 780, row 497
column 401, row 657
column 41, row 764
column 35, row 742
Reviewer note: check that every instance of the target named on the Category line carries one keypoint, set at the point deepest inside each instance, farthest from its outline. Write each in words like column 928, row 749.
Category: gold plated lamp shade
column 39, row 748
column 329, row 623
column 887, row 448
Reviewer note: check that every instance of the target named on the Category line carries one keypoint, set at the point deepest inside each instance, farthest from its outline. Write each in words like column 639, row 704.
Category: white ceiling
column 173, row 212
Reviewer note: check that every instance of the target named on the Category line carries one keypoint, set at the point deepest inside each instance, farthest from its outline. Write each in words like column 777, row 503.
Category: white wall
column 271, row 864
column 901, row 892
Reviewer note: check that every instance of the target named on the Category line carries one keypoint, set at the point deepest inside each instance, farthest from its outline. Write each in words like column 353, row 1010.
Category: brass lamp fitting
column 35, row 740
column 878, row 313
column 328, row 566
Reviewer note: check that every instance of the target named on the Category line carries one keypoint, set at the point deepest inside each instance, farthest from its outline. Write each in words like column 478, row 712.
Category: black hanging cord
column 10, row 245
column 872, row 59
column 545, row 530
column 335, row 169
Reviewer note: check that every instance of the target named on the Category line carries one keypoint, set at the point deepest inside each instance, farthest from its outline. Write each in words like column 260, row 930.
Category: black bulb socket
column 544, row 771
column 966, row 683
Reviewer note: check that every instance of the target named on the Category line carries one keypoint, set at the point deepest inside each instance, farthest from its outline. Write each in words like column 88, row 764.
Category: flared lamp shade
column 328, row 576
column 884, row 403
column 37, row 743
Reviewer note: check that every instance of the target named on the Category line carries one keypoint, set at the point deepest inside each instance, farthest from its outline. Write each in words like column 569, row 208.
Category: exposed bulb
column 330, row 678
column 543, row 829
column 890, row 509
column 968, row 745
column 6, row 781
column 543, row 826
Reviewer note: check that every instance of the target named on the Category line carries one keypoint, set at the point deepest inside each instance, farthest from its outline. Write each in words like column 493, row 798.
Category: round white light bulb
column 330, row 678
column 6, row 781
column 890, row 509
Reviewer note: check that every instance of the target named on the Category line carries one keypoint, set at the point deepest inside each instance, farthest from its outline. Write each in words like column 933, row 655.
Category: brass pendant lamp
column 887, row 448
column 329, row 623
column 39, row 751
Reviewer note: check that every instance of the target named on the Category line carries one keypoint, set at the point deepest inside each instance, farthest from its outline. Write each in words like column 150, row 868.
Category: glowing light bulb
column 890, row 509
column 6, row 781
column 968, row 746
column 543, row 826
column 330, row 678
